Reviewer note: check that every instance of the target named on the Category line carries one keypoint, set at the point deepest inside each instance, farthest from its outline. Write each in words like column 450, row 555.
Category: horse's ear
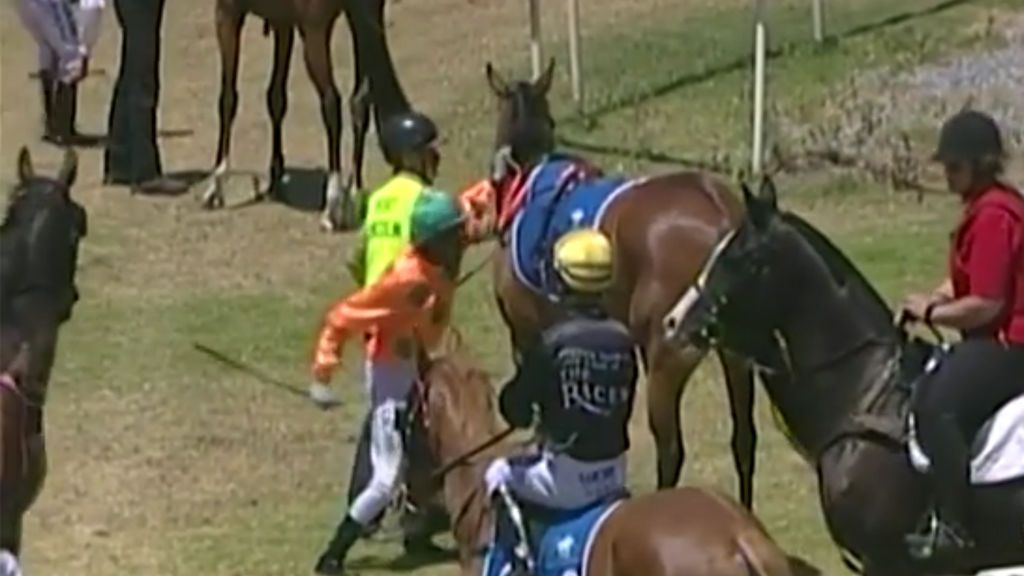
column 768, row 194
column 25, row 170
column 759, row 211
column 68, row 170
column 498, row 84
column 542, row 85
column 748, row 196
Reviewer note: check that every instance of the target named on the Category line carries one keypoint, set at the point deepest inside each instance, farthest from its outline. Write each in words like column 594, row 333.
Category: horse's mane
column 464, row 384
column 843, row 271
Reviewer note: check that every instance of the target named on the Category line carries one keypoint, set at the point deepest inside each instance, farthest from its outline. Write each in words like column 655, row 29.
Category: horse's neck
column 823, row 321
column 30, row 322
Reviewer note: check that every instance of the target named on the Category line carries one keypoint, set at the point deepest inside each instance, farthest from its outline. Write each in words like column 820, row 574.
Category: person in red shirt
column 983, row 298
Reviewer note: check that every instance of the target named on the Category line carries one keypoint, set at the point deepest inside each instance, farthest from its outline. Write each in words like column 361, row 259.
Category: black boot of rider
column 506, row 536
column 63, row 112
column 332, row 561
column 945, row 534
column 46, row 88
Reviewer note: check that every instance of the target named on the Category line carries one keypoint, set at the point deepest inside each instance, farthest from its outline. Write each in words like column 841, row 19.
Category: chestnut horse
column 677, row 532
column 662, row 229
column 375, row 87
column 39, row 241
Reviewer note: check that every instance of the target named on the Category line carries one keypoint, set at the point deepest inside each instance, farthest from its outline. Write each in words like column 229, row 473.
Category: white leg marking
column 214, row 195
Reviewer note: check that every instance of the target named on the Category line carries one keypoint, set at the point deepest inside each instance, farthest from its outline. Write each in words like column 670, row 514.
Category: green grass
column 195, row 469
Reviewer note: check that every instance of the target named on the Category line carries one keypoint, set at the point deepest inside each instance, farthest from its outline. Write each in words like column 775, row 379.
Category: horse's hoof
column 330, row 223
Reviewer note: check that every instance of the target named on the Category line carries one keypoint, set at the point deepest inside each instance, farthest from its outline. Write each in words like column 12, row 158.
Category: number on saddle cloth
column 559, row 540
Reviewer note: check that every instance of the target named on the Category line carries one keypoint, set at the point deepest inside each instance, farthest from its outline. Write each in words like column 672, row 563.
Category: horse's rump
column 561, row 541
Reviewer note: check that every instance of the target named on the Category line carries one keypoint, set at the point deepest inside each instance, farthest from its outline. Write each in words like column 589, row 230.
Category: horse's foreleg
column 316, row 44
column 739, row 380
column 359, row 106
column 277, row 102
column 229, row 28
column 668, row 373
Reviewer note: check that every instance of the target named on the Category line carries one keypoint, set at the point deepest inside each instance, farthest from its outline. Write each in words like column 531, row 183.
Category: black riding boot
column 332, row 561
column 46, row 86
column 946, row 532
column 511, row 535
column 62, row 115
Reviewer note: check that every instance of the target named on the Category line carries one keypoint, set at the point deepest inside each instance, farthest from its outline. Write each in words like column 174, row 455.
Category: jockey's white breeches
column 8, row 564
column 556, row 480
column 63, row 34
column 388, row 385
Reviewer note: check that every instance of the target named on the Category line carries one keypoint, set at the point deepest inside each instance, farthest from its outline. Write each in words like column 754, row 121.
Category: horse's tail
column 762, row 556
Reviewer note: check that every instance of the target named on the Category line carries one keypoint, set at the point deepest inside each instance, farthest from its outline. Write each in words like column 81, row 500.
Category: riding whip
column 250, row 371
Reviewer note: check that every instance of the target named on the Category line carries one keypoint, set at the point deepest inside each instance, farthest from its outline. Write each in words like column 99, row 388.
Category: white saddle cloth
column 999, row 458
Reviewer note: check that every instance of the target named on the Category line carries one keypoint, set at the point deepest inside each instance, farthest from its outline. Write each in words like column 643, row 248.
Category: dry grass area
column 166, row 464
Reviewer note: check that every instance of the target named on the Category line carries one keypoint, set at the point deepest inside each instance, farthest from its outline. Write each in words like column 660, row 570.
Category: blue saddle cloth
column 560, row 541
column 560, row 196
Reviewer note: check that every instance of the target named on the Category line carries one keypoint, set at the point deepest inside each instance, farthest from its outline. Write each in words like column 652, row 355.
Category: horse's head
column 737, row 278
column 525, row 126
column 40, row 237
column 451, row 411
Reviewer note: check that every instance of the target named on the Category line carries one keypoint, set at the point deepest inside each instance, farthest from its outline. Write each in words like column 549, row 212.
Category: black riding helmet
column 406, row 132
column 969, row 136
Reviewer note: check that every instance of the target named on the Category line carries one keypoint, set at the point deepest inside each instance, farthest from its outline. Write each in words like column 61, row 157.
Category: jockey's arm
column 395, row 301
column 524, row 390
column 479, row 203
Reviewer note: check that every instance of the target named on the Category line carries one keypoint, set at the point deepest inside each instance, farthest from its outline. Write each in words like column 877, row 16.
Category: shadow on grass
column 405, row 562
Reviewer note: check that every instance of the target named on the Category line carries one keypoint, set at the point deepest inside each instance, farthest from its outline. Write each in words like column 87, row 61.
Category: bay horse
column 39, row 240
column 847, row 404
column 375, row 87
column 662, row 228
column 677, row 532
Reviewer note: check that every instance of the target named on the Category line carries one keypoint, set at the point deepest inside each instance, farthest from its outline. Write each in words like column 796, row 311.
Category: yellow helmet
column 583, row 260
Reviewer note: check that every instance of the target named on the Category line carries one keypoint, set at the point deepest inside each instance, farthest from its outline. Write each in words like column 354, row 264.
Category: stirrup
column 523, row 564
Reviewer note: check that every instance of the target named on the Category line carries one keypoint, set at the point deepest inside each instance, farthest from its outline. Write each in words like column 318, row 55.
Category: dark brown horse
column 375, row 87
column 39, row 243
column 848, row 401
column 662, row 230
column 678, row 532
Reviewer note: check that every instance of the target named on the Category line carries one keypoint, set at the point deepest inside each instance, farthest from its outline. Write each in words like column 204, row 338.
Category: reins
column 464, row 459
